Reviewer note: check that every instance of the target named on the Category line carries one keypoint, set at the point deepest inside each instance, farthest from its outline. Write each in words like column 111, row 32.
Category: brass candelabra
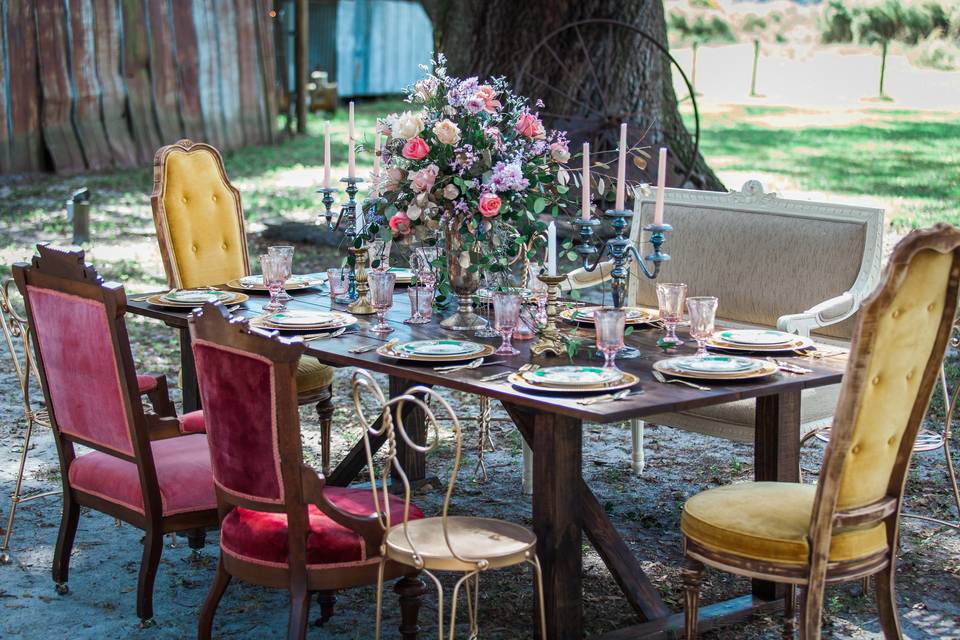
column 361, row 306
column 550, row 340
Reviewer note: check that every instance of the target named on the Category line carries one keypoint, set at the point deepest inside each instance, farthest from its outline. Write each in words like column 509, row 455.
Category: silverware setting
column 789, row 367
column 324, row 335
column 612, row 397
column 819, row 354
column 507, row 374
column 473, row 364
column 374, row 347
column 659, row 377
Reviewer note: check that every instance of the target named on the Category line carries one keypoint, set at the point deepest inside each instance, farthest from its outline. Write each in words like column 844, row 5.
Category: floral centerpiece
column 470, row 162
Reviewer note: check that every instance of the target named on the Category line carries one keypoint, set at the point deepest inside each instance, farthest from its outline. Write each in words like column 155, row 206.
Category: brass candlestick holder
column 550, row 339
column 361, row 306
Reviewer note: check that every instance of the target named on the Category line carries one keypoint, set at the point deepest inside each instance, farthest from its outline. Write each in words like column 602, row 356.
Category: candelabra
column 550, row 339
column 361, row 305
column 348, row 216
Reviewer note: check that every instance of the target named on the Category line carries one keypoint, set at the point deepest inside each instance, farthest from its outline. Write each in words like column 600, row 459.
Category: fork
column 473, row 364
column 659, row 377
column 373, row 347
column 507, row 374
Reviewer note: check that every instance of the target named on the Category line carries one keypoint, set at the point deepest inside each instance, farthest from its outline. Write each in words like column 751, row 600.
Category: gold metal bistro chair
column 462, row 544
column 845, row 528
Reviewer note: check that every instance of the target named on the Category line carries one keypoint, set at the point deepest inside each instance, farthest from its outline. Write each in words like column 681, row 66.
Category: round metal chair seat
column 926, row 440
column 501, row 544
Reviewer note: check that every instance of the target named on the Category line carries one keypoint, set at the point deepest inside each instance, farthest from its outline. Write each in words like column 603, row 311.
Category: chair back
column 18, row 337
column 764, row 256
column 198, row 216
column 415, row 404
column 897, row 351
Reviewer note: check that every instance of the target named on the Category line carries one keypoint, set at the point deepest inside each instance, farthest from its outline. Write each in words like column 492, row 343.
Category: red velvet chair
column 280, row 526
column 150, row 470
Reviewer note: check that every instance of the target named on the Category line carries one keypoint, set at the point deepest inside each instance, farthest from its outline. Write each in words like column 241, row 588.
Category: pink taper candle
column 326, row 155
column 351, row 154
column 622, row 168
column 376, row 165
column 585, row 191
column 661, row 186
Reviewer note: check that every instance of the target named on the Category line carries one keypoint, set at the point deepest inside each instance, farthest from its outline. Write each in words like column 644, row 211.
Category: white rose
column 422, row 200
column 450, row 192
column 447, row 132
column 427, row 88
column 450, row 111
column 413, row 212
column 409, row 125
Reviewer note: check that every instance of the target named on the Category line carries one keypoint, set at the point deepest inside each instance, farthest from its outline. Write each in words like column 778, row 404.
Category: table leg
column 776, row 456
column 189, row 390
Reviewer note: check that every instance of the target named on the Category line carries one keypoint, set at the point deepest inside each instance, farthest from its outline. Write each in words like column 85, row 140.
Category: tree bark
column 591, row 77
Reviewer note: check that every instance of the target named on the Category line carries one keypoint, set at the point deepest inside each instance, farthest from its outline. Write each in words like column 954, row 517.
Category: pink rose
column 401, row 224
column 415, row 149
column 529, row 125
column 486, row 93
column 423, row 180
column 489, row 205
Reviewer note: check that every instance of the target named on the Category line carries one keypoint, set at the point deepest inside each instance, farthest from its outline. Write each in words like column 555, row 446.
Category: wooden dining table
column 564, row 506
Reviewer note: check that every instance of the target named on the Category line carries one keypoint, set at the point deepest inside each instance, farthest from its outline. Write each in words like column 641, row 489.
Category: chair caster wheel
column 146, row 623
column 62, row 588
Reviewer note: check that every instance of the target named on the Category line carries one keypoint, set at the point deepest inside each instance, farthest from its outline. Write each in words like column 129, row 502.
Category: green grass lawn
column 910, row 160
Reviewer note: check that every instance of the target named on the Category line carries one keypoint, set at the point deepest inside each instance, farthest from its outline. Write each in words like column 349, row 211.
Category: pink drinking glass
column 338, row 281
column 286, row 252
column 506, row 315
column 610, row 324
column 703, row 312
column 274, row 276
column 381, row 297
column 671, row 296
column 421, row 303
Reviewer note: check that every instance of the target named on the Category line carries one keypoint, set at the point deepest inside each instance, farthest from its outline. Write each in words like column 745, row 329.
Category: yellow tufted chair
column 200, row 229
column 844, row 528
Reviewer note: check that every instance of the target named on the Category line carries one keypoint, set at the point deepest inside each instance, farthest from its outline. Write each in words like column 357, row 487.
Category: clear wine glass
column 286, row 252
column 506, row 313
column 703, row 311
column 610, row 324
column 671, row 296
column 338, row 281
column 381, row 297
column 272, row 267
column 487, row 330
column 379, row 255
column 539, row 291
column 421, row 303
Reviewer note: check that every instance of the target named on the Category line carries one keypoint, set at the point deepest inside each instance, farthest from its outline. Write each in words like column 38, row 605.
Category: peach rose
column 560, row 152
column 529, row 125
column 447, row 132
column 486, row 93
column 415, row 149
column 489, row 205
column 423, row 180
column 401, row 224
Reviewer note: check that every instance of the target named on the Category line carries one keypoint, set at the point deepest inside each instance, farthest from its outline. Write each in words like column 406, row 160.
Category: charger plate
column 293, row 283
column 756, row 337
column 396, row 351
column 627, row 381
column 799, row 343
column 226, row 297
column 667, row 367
column 572, row 376
column 635, row 315
column 715, row 364
column 337, row 320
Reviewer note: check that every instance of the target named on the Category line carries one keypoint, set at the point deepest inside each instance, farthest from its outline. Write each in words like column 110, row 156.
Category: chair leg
column 541, row 621
column 811, row 606
column 790, row 612
column 196, row 538
column 327, row 600
column 299, row 611
column 410, row 590
column 692, row 577
column 220, row 582
column 887, row 603
column 152, row 548
column 637, row 461
column 68, row 530
column 325, row 413
column 15, row 497
column 453, row 604
column 527, row 486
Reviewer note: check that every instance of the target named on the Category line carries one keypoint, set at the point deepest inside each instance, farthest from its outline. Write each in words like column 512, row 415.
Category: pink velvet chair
column 147, row 469
column 280, row 526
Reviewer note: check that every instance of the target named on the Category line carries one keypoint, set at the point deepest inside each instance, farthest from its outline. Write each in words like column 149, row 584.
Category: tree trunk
column 591, row 77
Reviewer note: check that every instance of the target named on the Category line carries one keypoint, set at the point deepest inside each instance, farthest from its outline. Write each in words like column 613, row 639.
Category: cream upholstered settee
column 798, row 265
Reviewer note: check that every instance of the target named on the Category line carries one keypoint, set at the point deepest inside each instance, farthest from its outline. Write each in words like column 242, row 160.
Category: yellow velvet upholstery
column 769, row 521
column 204, row 220
column 904, row 341
column 312, row 375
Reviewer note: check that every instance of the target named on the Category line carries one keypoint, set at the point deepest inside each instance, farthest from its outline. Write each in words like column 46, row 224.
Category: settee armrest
column 583, row 279
column 821, row 315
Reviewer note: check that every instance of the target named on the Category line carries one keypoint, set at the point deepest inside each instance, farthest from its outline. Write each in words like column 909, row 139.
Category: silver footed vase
column 463, row 282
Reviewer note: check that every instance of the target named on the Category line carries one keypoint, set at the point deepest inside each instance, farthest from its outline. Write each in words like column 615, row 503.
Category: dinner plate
column 635, row 315
column 487, row 294
column 404, row 275
column 396, row 351
column 765, row 368
column 757, row 337
column 338, row 320
column 232, row 298
column 625, row 382
column 572, row 376
column 293, row 283
column 300, row 318
column 799, row 343
column 715, row 364
column 439, row 348
column 196, row 296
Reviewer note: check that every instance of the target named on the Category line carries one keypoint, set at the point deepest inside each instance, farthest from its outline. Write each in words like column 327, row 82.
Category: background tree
column 878, row 25
column 621, row 75
column 699, row 29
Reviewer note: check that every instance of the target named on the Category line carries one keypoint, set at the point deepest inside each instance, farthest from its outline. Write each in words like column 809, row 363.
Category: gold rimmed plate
column 231, row 298
column 635, row 315
column 625, row 382
column 396, row 351
column 294, row 283
column 763, row 369
column 799, row 343
column 329, row 321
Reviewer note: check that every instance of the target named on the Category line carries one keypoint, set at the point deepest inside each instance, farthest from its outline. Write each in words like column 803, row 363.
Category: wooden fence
column 91, row 84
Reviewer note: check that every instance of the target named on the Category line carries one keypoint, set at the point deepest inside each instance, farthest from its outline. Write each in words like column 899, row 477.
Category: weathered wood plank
column 268, row 70
column 248, row 58
column 188, row 96
column 87, row 115
column 56, row 110
column 229, row 76
column 136, row 73
column 26, row 141
column 163, row 71
column 204, row 20
column 113, row 92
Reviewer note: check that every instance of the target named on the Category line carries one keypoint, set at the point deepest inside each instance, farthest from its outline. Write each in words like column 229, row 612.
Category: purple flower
column 507, row 176
column 458, row 94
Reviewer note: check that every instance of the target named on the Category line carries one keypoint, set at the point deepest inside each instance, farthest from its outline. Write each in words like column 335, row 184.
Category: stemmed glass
column 379, row 255
column 506, row 313
column 338, row 281
column 611, row 325
column 381, row 297
column 422, row 263
column 286, row 252
column 671, row 296
column 274, row 276
column 539, row 290
column 487, row 330
column 703, row 311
